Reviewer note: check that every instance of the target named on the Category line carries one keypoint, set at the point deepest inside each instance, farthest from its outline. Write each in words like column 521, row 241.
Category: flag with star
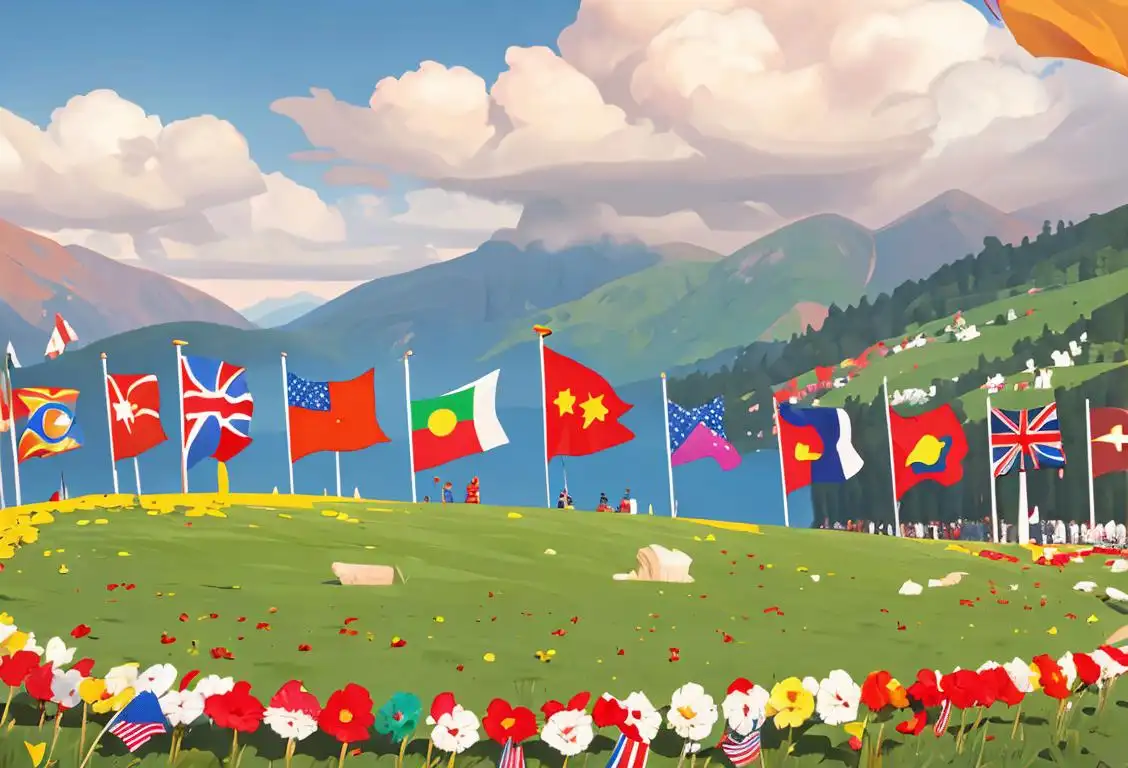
column 135, row 414
column 582, row 410
column 1109, row 451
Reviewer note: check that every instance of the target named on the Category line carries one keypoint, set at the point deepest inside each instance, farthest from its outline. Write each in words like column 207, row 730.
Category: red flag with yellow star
column 582, row 409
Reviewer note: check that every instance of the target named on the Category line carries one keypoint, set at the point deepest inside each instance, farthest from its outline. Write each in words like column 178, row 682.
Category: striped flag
column 742, row 750
column 941, row 726
column 629, row 754
column 141, row 720
column 61, row 335
column 512, row 756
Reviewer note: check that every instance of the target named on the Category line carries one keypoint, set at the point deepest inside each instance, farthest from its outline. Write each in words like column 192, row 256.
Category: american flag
column 1030, row 439
column 311, row 395
column 742, row 750
column 684, row 420
column 629, row 754
column 140, row 721
column 217, row 409
column 512, row 756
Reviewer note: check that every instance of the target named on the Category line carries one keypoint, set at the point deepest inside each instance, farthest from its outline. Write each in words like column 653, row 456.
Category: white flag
column 12, row 359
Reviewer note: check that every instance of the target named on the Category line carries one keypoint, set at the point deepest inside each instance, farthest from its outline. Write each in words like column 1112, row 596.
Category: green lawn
column 480, row 581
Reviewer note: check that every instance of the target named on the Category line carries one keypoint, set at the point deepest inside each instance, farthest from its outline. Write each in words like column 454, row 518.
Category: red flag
column 582, row 409
column 1109, row 428
column 928, row 446
column 332, row 415
column 61, row 335
column 135, row 414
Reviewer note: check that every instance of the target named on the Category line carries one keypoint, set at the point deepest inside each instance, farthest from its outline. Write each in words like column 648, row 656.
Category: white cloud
column 659, row 110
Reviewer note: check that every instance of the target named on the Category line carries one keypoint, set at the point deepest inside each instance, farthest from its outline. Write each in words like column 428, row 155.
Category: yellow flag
column 223, row 482
column 36, row 752
column 1093, row 31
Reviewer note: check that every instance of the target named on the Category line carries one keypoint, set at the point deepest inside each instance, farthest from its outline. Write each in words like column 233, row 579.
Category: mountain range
column 275, row 312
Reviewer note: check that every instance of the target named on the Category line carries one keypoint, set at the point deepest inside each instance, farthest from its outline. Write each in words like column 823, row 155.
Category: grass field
column 484, row 589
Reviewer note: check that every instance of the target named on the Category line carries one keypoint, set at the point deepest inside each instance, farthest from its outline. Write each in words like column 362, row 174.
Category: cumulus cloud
column 187, row 199
column 657, row 117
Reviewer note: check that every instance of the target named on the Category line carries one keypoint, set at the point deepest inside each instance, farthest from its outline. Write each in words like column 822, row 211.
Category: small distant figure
column 426, row 499
column 448, row 493
column 564, row 501
column 473, row 492
column 604, row 504
column 625, row 503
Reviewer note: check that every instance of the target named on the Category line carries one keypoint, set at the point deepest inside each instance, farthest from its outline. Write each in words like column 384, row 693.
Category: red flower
column 963, row 688
column 915, row 726
column 111, row 587
column 1001, row 687
column 350, row 620
column 305, row 647
column 577, row 703
column 183, row 617
column 84, row 667
column 80, row 631
column 675, row 654
column 293, row 697
column 219, row 652
column 348, row 714
column 398, row 642
column 167, row 639
column 726, row 637
column 880, row 690
column 926, row 689
column 558, row 633
column 130, row 586
column 263, row 625
column 237, row 709
column 14, row 669
column 1051, row 677
column 503, row 722
column 1088, row 671
column 38, row 683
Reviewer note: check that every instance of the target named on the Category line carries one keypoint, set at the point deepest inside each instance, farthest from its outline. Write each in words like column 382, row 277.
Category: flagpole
column 1023, row 509
column 12, row 428
column 137, row 476
column 337, row 462
column 180, row 388
column 98, row 738
column 286, row 415
column 782, row 470
column 410, row 427
column 3, row 501
column 543, row 332
column 1089, row 454
column 669, row 458
column 991, row 471
column 109, row 422
column 892, row 460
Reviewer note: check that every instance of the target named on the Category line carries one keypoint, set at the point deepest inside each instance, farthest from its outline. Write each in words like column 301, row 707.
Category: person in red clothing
column 473, row 492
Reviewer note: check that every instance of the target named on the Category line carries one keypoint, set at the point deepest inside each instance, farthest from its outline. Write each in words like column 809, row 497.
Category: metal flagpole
column 3, row 501
column 337, row 461
column 669, row 458
column 1023, row 509
column 180, row 388
column 1089, row 454
column 286, row 416
column 12, row 428
column 410, row 427
column 110, row 422
column 782, row 470
column 137, row 475
column 991, row 472
column 542, row 333
column 892, row 461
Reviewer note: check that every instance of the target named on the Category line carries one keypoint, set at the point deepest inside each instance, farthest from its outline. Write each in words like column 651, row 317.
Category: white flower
column 31, row 645
column 57, row 652
column 214, row 685
column 987, row 665
column 744, row 710
column 182, row 707
column 121, row 677
column 289, row 724
column 455, row 731
column 642, row 715
column 811, row 685
column 838, row 698
column 157, row 679
column 64, row 688
column 1115, row 594
column 1021, row 675
column 1068, row 668
column 569, row 732
column 6, row 631
column 692, row 712
column 1085, row 586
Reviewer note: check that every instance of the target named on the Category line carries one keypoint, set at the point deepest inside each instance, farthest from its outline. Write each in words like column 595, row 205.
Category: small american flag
column 742, row 750
column 140, row 721
column 512, row 756
column 629, row 754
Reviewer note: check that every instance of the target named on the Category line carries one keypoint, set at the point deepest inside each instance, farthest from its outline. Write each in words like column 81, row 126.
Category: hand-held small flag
column 629, row 753
column 512, row 755
column 141, row 720
column 741, row 750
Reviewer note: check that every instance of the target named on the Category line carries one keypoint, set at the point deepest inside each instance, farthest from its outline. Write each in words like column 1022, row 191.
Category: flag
column 741, row 750
column 1109, row 428
column 141, row 720
column 582, row 410
column 1093, row 31
column 13, row 361
column 135, row 414
column 629, row 753
column 816, row 445
column 1030, row 439
column 512, row 755
column 699, row 433
column 928, row 446
column 61, row 335
column 460, row 423
column 217, row 409
column 332, row 415
column 50, row 428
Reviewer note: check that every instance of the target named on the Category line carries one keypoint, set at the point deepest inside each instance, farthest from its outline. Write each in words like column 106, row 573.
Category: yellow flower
column 790, row 703
column 489, row 657
column 15, row 642
column 91, row 689
column 114, row 703
column 6, row 618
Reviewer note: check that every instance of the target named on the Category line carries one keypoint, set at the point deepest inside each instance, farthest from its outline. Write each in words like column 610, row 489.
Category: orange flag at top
column 1093, row 31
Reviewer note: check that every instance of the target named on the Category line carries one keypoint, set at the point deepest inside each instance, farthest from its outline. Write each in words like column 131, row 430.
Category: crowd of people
column 1110, row 534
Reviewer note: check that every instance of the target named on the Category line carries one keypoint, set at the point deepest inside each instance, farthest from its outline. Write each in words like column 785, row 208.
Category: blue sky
column 232, row 59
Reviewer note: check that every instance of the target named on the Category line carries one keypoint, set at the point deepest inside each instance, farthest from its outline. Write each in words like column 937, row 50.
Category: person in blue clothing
column 448, row 493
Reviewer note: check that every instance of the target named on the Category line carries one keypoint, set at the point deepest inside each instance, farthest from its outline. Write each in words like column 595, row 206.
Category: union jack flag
column 217, row 409
column 512, row 756
column 741, row 750
column 629, row 753
column 1030, row 439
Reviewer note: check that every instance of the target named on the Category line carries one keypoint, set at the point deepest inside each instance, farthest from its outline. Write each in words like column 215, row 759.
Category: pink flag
column 704, row 443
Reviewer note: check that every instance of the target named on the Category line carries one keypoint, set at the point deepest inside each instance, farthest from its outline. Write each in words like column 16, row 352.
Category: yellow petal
column 1092, row 618
column 802, row 569
column 284, row 516
column 123, row 554
column 63, row 568
column 101, row 521
column 855, row 729
column 489, row 658
column 83, row 521
column 710, row 537
column 439, row 619
column 1051, row 631
column 514, row 515
column 36, row 751
column 6, row 618
column 328, row 513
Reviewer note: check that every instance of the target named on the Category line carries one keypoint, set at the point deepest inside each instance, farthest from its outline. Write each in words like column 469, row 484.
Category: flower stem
column 42, row 714
column 234, row 748
column 402, row 751
column 1017, row 720
column 430, row 748
column 343, row 754
column 82, row 730
column 681, row 756
column 565, row 763
column 960, row 732
column 290, row 744
column 55, row 735
column 450, row 763
column 7, row 706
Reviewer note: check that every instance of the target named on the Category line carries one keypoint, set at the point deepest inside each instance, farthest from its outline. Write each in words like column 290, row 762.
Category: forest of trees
column 1065, row 254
